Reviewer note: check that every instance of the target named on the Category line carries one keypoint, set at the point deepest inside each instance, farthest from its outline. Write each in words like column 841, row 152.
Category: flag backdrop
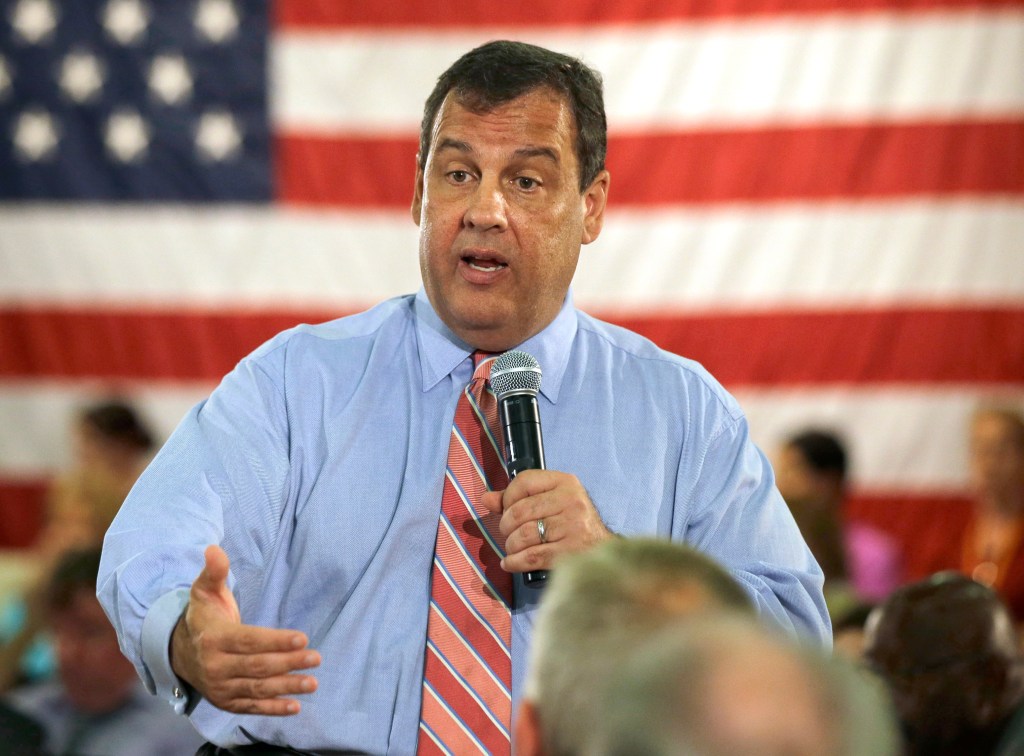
column 820, row 200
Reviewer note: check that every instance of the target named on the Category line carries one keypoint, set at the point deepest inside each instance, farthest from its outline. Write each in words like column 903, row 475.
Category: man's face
column 997, row 459
column 502, row 218
column 96, row 676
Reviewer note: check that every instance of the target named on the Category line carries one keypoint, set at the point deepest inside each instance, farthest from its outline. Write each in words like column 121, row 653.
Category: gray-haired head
column 600, row 603
column 726, row 686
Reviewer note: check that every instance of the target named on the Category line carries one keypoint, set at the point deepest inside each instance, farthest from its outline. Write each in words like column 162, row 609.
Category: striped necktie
column 467, row 680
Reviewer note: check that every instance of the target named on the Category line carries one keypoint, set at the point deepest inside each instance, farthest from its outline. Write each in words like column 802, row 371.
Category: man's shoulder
column 646, row 358
column 379, row 319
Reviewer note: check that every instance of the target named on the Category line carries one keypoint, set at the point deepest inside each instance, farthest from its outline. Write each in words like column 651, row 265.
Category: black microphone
column 515, row 380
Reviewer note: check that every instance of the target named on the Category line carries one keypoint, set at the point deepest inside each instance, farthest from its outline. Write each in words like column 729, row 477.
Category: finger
column 272, row 707
column 528, row 534
column 492, row 501
column 526, row 511
column 214, row 576
column 251, row 639
column 263, row 689
column 528, row 560
column 233, row 666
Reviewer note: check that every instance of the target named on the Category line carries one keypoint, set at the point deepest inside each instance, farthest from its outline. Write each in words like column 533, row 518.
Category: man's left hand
column 571, row 523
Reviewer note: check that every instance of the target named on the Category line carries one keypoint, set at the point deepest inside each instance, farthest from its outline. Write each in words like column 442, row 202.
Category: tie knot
column 482, row 365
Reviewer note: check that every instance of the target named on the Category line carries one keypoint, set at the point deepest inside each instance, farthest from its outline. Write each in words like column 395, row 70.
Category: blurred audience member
column 598, row 604
column 723, row 686
column 111, row 446
column 948, row 649
column 991, row 549
column 860, row 562
column 848, row 632
column 97, row 706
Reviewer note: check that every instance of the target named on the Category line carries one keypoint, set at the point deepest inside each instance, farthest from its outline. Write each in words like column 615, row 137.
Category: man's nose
column 487, row 208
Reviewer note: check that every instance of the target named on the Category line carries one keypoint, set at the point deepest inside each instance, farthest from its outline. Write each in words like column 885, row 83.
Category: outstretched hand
column 239, row 668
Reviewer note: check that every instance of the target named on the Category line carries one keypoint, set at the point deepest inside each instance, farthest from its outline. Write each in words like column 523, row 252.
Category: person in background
column 110, row 447
column 97, row 706
column 724, row 686
column 860, row 563
column 948, row 650
column 991, row 548
column 599, row 604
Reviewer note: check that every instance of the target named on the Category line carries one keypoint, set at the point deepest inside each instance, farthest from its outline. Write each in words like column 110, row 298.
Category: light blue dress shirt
column 318, row 465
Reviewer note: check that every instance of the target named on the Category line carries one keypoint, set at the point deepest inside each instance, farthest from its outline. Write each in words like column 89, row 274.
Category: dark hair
column 116, row 421
column 823, row 451
column 501, row 71
column 75, row 572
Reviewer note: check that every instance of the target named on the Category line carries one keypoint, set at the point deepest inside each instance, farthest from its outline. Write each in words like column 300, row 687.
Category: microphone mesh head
column 515, row 372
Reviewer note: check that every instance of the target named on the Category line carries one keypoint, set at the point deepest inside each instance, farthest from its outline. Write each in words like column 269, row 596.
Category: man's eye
column 526, row 183
column 459, row 177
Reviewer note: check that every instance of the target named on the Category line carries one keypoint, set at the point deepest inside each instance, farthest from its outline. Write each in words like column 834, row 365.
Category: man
column 324, row 465
column 599, row 605
column 718, row 686
column 860, row 563
column 948, row 650
column 96, row 707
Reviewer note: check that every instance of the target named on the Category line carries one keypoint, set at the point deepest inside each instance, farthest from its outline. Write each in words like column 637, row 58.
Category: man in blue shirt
column 316, row 467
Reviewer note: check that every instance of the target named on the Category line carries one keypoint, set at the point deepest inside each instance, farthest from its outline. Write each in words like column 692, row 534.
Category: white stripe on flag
column 829, row 67
column 828, row 254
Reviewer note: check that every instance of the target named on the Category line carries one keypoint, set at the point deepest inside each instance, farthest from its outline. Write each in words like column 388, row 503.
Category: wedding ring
column 542, row 531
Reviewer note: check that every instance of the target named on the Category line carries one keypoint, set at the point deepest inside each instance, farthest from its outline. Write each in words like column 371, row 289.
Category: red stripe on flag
column 982, row 345
column 477, row 13
column 921, row 345
column 707, row 166
column 22, row 511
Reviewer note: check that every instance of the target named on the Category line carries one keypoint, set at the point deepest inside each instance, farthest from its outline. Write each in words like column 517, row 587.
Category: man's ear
column 526, row 738
column 417, row 193
column 595, row 198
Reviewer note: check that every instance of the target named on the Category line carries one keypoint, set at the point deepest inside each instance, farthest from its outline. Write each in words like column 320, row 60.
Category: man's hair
column 599, row 603
column 75, row 572
column 498, row 72
column 671, row 692
column 118, row 422
column 823, row 451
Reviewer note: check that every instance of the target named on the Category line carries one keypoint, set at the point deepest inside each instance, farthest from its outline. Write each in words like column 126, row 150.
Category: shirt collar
column 441, row 351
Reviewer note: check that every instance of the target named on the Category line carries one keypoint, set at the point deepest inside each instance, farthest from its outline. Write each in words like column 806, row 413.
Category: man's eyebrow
column 454, row 144
column 529, row 152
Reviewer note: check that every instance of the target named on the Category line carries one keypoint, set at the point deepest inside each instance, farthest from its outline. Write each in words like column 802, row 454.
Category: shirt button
column 177, row 693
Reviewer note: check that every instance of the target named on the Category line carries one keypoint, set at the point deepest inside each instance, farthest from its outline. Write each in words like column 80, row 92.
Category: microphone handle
column 524, row 448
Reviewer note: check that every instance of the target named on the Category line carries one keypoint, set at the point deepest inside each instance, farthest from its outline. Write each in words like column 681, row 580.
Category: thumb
column 492, row 500
column 211, row 586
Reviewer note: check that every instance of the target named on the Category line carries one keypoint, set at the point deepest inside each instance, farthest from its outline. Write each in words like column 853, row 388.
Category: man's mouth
column 485, row 265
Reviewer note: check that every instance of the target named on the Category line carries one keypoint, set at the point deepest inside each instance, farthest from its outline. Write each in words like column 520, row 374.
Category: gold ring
column 542, row 531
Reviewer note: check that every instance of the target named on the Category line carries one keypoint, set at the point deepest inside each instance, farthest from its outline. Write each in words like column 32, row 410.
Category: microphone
column 515, row 380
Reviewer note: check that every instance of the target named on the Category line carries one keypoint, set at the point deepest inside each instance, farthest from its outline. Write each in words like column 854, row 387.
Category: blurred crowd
column 641, row 647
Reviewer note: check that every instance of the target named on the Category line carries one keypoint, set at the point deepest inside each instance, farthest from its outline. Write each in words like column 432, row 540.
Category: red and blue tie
column 467, row 680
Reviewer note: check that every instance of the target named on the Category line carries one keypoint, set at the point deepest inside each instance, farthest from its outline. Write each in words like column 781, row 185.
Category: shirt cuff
column 156, row 651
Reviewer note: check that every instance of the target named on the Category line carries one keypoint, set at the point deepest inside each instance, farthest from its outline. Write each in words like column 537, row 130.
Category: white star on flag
column 218, row 136
column 170, row 79
column 35, row 135
column 34, row 20
column 127, row 136
column 216, row 20
column 126, row 20
column 81, row 76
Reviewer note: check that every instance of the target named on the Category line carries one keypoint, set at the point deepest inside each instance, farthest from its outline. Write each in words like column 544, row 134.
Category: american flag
column 820, row 200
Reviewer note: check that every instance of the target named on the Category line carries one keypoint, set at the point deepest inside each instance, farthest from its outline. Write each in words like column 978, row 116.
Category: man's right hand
column 240, row 668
